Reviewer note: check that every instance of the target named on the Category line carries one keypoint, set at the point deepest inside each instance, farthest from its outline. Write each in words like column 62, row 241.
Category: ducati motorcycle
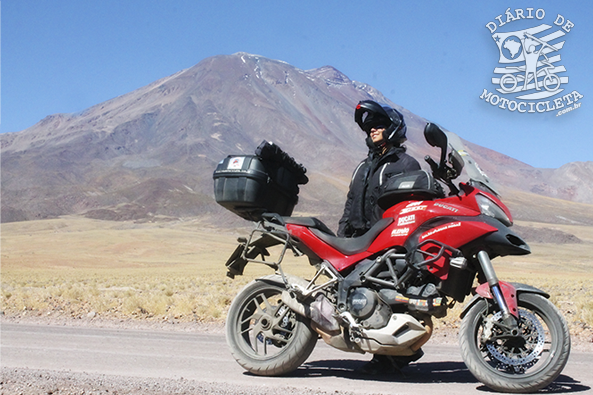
column 379, row 293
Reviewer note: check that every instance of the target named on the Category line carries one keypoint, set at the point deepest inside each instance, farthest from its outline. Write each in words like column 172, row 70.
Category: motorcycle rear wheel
column 266, row 337
column 525, row 363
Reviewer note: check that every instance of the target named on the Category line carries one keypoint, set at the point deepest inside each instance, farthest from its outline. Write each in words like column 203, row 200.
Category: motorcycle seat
column 354, row 245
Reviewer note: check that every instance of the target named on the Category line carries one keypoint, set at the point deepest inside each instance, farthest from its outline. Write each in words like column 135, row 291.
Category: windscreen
column 475, row 174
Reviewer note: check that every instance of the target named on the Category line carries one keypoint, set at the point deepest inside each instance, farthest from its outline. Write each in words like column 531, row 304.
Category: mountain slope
column 150, row 154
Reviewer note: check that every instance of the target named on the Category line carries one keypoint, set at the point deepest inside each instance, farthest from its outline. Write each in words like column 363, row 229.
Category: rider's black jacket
column 361, row 211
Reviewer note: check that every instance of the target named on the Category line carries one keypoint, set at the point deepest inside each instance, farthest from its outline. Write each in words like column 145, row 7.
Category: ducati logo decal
column 407, row 220
column 441, row 205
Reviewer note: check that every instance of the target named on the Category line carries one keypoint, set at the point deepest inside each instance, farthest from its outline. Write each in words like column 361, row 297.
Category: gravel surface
column 23, row 381
column 38, row 382
column 41, row 382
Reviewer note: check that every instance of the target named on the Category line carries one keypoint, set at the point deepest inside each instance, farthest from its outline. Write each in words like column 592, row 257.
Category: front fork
column 503, row 293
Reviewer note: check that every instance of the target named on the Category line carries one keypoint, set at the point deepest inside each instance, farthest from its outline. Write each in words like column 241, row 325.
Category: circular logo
column 511, row 47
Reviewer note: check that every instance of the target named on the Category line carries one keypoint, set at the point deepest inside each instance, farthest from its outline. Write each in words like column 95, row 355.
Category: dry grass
column 80, row 268
column 76, row 267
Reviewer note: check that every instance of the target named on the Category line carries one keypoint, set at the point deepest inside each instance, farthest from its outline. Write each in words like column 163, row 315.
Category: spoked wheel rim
column 526, row 354
column 266, row 326
column 508, row 79
column 510, row 361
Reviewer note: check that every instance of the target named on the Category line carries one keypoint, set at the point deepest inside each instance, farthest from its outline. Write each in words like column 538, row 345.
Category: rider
column 531, row 56
column 386, row 132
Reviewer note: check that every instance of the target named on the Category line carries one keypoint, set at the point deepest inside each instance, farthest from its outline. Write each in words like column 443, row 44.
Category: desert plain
column 79, row 271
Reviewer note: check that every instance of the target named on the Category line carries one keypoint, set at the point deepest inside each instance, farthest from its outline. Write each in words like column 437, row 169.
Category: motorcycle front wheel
column 523, row 363
column 266, row 337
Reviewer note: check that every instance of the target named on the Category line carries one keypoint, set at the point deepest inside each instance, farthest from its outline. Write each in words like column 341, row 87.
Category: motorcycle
column 380, row 292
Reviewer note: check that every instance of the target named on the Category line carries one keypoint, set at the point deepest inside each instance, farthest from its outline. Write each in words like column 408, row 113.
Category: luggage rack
column 273, row 232
column 269, row 232
column 266, row 234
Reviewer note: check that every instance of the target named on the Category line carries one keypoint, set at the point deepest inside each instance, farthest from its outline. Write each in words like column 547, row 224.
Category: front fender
column 519, row 288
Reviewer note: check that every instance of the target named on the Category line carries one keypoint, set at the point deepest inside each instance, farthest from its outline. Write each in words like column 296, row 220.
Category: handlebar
column 444, row 173
column 432, row 163
column 542, row 42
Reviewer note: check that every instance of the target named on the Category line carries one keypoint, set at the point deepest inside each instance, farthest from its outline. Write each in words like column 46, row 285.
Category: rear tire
column 264, row 335
column 521, row 364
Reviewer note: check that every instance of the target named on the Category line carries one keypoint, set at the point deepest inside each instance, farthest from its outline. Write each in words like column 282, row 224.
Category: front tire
column 552, row 82
column 266, row 337
column 525, row 363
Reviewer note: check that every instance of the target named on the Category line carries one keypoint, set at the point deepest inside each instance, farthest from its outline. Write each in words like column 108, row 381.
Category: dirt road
column 60, row 360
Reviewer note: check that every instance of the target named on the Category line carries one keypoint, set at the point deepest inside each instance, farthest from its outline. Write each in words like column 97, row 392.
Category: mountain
column 150, row 154
column 572, row 182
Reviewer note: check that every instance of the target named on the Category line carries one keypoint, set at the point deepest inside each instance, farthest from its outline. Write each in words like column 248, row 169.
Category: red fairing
column 509, row 293
column 454, row 234
column 471, row 191
column 408, row 216
column 457, row 233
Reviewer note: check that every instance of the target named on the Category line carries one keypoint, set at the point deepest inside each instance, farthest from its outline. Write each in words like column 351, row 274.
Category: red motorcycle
column 379, row 293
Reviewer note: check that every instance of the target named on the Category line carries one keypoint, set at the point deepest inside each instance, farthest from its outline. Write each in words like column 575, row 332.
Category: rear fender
column 483, row 292
column 272, row 279
column 276, row 279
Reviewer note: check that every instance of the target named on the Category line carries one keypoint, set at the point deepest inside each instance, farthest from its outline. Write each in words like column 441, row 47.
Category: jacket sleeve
column 415, row 165
column 344, row 223
column 344, row 226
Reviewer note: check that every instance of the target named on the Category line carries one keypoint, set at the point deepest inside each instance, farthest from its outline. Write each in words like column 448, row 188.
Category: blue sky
column 434, row 58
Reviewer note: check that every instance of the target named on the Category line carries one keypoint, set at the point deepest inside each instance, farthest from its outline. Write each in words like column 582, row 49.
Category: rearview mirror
column 435, row 136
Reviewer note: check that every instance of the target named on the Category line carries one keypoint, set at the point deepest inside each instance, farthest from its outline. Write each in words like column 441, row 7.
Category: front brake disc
column 524, row 356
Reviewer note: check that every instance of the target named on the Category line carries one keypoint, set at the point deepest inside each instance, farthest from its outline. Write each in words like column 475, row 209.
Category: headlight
column 491, row 209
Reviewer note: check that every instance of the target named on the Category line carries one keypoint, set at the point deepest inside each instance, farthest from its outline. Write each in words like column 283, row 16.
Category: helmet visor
column 371, row 121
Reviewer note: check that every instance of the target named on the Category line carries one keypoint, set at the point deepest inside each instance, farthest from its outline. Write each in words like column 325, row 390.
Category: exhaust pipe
column 321, row 312
column 295, row 305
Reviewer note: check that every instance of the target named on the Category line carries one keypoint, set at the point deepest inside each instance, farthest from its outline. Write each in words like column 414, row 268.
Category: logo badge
column 406, row 220
column 235, row 163
column 530, row 76
column 400, row 232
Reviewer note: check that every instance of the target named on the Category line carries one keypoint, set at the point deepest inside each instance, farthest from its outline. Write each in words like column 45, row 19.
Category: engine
column 369, row 310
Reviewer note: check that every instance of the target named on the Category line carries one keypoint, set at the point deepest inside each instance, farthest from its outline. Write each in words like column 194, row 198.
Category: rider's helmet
column 369, row 114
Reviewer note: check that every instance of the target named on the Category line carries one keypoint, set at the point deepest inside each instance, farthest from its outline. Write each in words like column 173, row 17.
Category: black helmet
column 369, row 114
